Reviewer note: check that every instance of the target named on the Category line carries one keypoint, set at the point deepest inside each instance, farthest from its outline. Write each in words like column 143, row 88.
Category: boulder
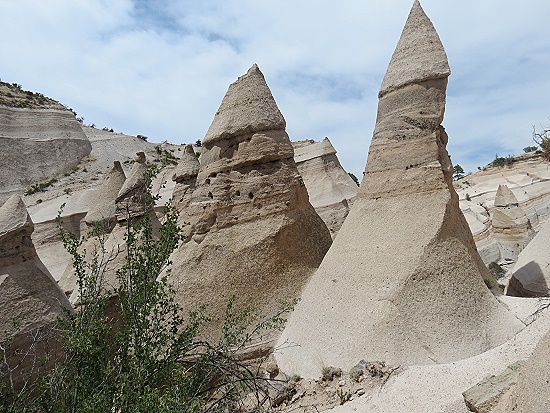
column 531, row 394
column 531, row 273
column 402, row 282
column 331, row 190
column 30, row 300
column 253, row 232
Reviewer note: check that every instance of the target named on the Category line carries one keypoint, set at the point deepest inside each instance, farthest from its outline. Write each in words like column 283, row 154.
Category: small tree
column 458, row 172
column 352, row 176
column 542, row 139
column 146, row 355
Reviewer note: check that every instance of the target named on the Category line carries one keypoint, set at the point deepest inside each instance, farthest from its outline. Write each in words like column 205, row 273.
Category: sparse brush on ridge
column 129, row 348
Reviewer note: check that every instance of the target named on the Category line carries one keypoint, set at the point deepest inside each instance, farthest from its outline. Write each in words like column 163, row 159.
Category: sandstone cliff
column 252, row 232
column 403, row 281
column 39, row 138
column 331, row 190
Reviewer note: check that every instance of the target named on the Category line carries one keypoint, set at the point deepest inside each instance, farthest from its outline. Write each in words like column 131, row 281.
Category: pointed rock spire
column 404, row 262
column 13, row 215
column 247, row 107
column 419, row 55
column 131, row 199
column 252, row 232
column 505, row 197
column 103, row 208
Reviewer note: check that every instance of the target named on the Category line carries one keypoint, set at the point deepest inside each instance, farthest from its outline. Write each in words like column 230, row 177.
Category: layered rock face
column 185, row 177
column 30, row 300
column 528, row 178
column 331, row 190
column 531, row 273
column 37, row 142
column 253, row 232
column 403, row 281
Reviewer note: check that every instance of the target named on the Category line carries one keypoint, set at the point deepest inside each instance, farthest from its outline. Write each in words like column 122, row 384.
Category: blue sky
column 160, row 68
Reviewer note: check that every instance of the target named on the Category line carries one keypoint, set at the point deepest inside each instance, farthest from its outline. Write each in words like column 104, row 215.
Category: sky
column 160, row 68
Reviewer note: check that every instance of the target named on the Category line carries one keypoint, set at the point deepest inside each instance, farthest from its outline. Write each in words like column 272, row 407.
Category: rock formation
column 102, row 214
column 253, row 232
column 185, row 177
column 402, row 282
column 132, row 197
column 528, row 177
column 102, row 211
column 30, row 300
column 511, row 227
column 533, row 388
column 40, row 139
column 331, row 190
column 531, row 273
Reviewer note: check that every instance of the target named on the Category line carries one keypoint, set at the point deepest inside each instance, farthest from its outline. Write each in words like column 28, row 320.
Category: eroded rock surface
column 528, row 178
column 404, row 263
column 330, row 188
column 185, row 177
column 253, row 232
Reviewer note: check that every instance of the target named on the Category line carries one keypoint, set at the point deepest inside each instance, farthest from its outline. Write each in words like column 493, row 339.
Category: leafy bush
column 496, row 270
column 528, row 149
column 130, row 348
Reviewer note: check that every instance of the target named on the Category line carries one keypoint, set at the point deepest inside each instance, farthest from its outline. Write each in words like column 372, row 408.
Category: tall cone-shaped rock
column 510, row 226
column 185, row 177
column 132, row 197
column 331, row 190
column 103, row 209
column 102, row 214
column 402, row 282
column 30, row 300
column 253, row 232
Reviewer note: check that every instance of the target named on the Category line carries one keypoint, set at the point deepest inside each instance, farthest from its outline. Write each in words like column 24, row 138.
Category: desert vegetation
column 130, row 348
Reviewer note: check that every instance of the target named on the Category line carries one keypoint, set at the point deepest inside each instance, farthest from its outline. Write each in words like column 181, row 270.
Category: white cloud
column 161, row 68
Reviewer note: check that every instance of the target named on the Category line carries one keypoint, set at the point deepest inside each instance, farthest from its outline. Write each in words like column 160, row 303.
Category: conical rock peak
column 247, row 107
column 419, row 55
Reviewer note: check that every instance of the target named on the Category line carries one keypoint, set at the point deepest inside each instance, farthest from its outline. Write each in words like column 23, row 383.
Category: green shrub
column 146, row 355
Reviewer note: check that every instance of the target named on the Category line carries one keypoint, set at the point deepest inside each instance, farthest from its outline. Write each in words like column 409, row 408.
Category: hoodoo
column 253, row 232
column 131, row 199
column 511, row 227
column 402, row 282
column 331, row 190
column 103, row 209
column 30, row 300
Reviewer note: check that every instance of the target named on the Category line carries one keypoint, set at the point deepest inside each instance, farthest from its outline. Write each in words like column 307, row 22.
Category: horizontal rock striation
column 37, row 144
column 253, row 232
